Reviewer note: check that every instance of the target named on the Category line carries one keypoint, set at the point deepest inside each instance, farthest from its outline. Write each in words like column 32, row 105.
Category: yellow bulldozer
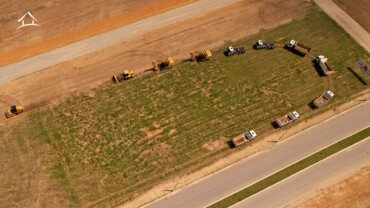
column 163, row 64
column 127, row 74
column 14, row 110
column 200, row 55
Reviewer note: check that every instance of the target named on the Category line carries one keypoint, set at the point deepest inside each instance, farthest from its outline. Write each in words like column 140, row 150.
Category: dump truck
column 14, row 110
column 324, row 66
column 242, row 139
column 323, row 99
column 127, row 74
column 298, row 48
column 163, row 64
column 200, row 55
column 260, row 44
column 287, row 119
column 231, row 51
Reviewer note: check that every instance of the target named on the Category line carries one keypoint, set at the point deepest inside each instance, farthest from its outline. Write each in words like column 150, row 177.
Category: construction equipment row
column 160, row 65
column 293, row 46
column 296, row 47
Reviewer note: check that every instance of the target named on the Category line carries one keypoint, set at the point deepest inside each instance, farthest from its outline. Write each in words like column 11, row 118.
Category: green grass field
column 129, row 137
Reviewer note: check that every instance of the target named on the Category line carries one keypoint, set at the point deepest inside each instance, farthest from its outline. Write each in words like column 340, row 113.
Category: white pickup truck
column 242, row 139
column 287, row 119
column 323, row 99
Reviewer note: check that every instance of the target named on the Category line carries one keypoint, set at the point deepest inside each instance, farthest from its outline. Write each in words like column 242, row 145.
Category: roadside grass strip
column 291, row 170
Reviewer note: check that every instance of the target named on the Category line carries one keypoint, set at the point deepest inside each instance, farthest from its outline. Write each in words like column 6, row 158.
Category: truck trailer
column 298, row 48
column 323, row 64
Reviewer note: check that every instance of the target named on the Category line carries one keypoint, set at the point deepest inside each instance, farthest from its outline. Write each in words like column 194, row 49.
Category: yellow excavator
column 200, row 55
column 127, row 74
column 163, row 64
column 14, row 110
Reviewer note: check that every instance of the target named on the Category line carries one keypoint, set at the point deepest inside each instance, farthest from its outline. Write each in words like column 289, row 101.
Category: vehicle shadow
column 275, row 125
column 358, row 77
column 311, row 105
column 230, row 144
column 317, row 68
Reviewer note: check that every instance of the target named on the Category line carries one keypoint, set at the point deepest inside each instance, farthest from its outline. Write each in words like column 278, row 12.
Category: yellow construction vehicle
column 127, row 74
column 14, row 110
column 200, row 55
column 163, row 64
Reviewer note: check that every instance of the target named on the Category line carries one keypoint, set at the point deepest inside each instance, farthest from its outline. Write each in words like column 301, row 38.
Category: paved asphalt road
column 104, row 40
column 250, row 170
column 346, row 22
column 305, row 183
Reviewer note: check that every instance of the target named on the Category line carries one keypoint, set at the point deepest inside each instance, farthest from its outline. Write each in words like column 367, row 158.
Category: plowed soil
column 351, row 192
column 358, row 10
column 208, row 32
column 67, row 21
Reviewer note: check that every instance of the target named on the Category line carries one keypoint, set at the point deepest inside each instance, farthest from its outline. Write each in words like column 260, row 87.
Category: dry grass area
column 358, row 10
column 67, row 21
column 354, row 191
column 26, row 179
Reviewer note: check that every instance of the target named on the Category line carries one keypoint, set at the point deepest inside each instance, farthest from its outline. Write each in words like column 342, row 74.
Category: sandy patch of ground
column 353, row 191
column 358, row 10
column 67, row 21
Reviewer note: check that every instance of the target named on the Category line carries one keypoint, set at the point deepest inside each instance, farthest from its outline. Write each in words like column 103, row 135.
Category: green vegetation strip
column 291, row 170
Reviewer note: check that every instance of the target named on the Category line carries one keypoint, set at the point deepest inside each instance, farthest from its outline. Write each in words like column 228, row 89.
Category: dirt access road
column 357, row 32
column 119, row 35
column 67, row 21
column 208, row 31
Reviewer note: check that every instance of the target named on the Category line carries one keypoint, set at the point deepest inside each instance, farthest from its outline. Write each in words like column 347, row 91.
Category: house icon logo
column 27, row 20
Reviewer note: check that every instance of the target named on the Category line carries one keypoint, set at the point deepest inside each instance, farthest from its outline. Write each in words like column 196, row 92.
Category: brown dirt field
column 353, row 191
column 358, row 10
column 210, row 31
column 64, row 22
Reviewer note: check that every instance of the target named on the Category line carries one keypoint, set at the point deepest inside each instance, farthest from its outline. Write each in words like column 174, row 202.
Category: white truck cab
column 250, row 135
column 292, row 43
